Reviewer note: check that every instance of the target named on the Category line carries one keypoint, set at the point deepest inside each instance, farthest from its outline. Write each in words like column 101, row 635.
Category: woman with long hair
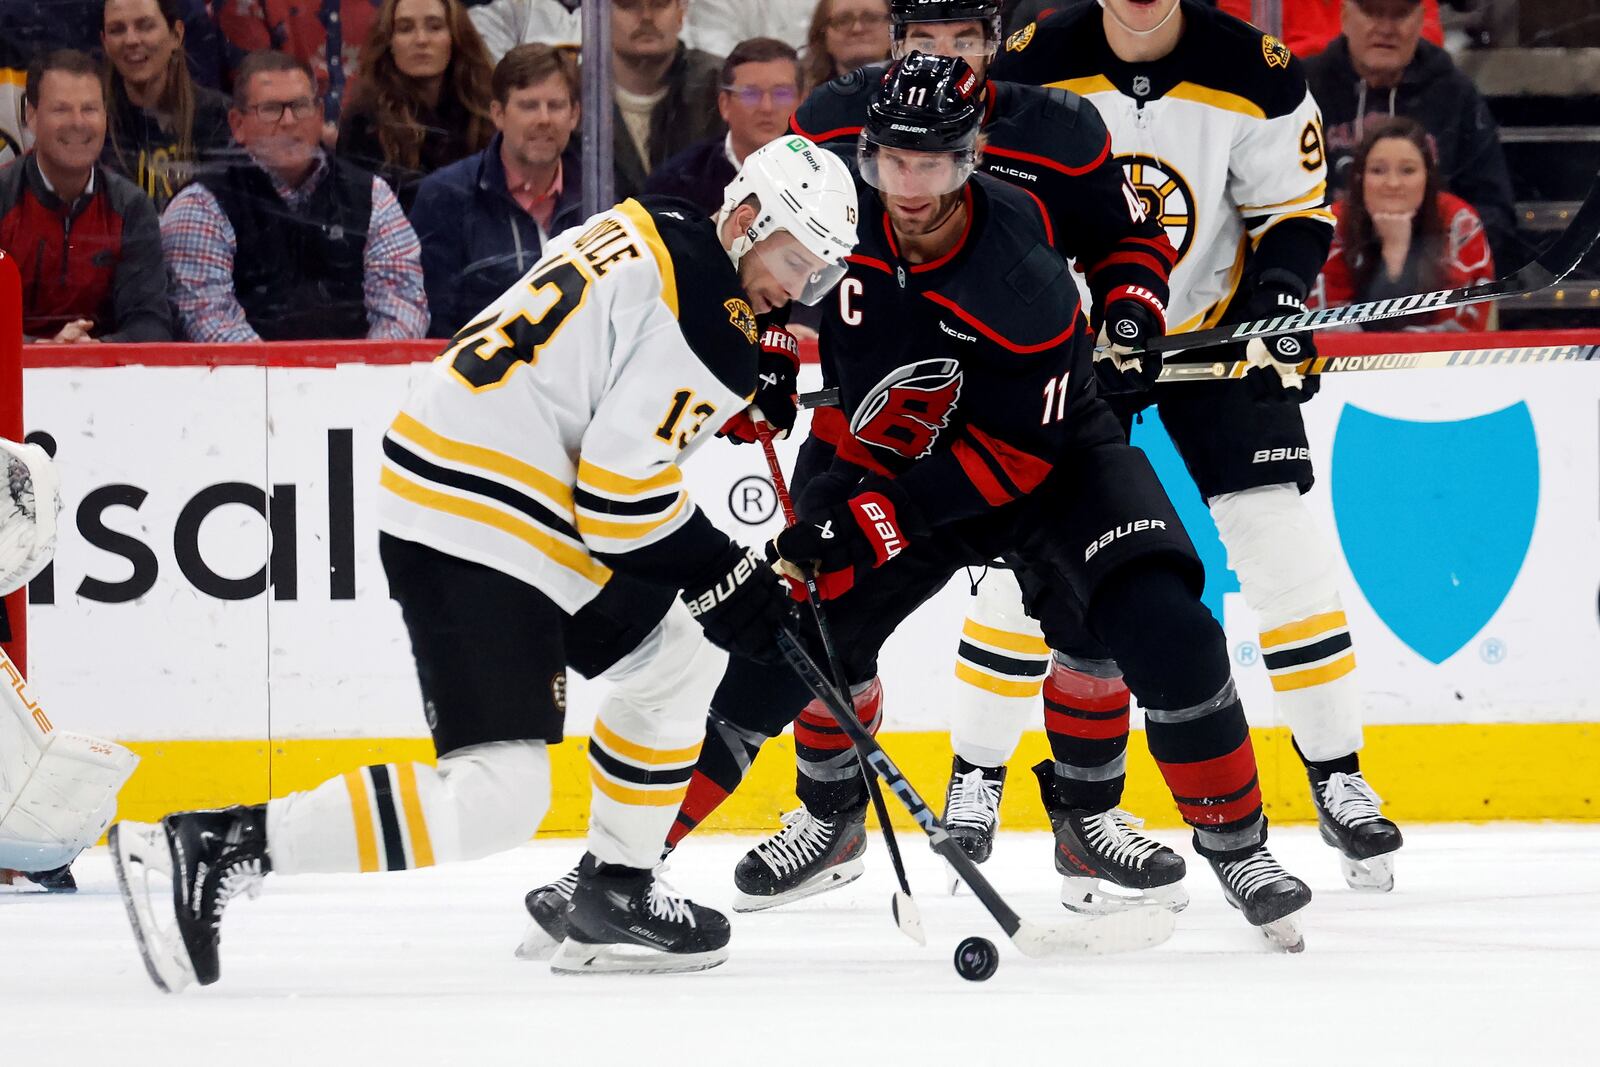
column 161, row 125
column 844, row 35
column 1399, row 232
column 424, row 95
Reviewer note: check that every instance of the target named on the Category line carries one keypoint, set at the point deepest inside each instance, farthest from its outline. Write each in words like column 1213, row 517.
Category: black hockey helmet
column 926, row 104
column 904, row 13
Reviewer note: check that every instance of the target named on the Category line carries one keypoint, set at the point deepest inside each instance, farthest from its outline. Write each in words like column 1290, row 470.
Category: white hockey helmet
column 804, row 191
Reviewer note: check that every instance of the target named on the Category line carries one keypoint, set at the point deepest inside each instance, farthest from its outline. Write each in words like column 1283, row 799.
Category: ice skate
column 1105, row 865
column 625, row 920
column 59, row 880
column 1269, row 896
column 1350, row 820
column 972, row 809
column 207, row 858
column 547, row 925
column 808, row 856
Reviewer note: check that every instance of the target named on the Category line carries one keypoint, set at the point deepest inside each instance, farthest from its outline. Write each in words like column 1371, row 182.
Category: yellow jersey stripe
column 1216, row 98
column 1095, row 83
column 999, row 686
column 416, row 822
column 487, row 458
column 621, row 746
column 611, row 482
column 1321, row 213
column 1314, row 196
column 1027, row 644
column 1213, row 315
column 626, row 531
column 575, row 560
column 658, row 248
column 1314, row 626
column 1284, row 683
column 361, row 815
column 649, row 798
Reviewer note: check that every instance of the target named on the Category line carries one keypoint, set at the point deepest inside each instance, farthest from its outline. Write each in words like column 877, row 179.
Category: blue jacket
column 476, row 240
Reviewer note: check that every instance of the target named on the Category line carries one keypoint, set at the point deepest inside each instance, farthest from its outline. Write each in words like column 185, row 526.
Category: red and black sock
column 1086, row 719
column 828, row 775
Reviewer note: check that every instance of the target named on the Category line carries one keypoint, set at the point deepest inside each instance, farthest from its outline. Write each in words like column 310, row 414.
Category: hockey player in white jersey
column 534, row 518
column 58, row 790
column 1222, row 140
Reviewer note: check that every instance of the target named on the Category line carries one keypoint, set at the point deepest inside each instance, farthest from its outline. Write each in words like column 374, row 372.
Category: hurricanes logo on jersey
column 743, row 318
column 1275, row 52
column 1021, row 39
column 905, row 411
column 1166, row 197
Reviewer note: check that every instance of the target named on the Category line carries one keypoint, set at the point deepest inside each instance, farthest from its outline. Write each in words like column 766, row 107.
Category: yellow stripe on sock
column 1340, row 667
column 1299, row 631
column 621, row 746
column 416, row 822
column 1027, row 644
column 647, row 798
column 361, row 815
column 1001, row 686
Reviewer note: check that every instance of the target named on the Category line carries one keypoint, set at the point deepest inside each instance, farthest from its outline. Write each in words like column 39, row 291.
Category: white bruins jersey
column 1221, row 138
column 550, row 432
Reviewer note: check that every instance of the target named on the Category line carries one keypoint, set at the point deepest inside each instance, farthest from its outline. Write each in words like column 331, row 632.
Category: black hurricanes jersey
column 1052, row 144
column 963, row 377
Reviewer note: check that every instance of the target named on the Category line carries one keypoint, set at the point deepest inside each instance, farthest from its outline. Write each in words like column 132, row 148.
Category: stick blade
column 1123, row 931
column 908, row 917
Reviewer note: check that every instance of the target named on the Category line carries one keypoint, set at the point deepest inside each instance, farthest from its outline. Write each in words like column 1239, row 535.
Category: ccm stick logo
column 896, row 781
column 1137, row 526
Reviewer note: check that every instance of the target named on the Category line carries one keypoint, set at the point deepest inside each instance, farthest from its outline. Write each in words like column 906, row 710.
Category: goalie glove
column 1275, row 361
column 1133, row 317
column 741, row 605
column 30, row 497
column 776, row 402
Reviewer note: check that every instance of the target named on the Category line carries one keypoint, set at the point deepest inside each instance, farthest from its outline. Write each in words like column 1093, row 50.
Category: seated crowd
column 388, row 170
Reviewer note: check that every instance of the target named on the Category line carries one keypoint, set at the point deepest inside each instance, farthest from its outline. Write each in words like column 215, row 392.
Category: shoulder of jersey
column 838, row 109
column 1051, row 48
column 1058, row 125
column 1018, row 286
column 713, row 313
column 1232, row 56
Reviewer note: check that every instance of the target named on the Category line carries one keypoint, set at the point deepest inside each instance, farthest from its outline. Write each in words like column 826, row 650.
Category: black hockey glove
column 777, row 395
column 1276, row 360
column 742, row 605
column 869, row 529
column 1131, row 322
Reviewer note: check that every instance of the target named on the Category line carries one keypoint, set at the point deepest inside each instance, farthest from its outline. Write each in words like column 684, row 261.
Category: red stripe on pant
column 1217, row 791
column 703, row 797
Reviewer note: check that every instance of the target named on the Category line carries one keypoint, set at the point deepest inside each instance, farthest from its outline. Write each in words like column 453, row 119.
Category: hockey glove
column 867, row 531
column 1131, row 322
column 1275, row 361
column 741, row 605
column 777, row 395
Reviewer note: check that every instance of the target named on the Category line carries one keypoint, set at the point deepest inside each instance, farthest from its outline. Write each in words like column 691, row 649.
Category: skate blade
column 139, row 851
column 1095, row 896
column 1284, row 934
column 1375, row 875
column 577, row 957
column 536, row 944
column 1129, row 930
column 832, row 878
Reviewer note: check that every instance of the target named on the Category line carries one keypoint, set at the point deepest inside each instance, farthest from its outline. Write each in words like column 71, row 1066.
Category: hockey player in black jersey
column 1053, row 144
column 970, row 427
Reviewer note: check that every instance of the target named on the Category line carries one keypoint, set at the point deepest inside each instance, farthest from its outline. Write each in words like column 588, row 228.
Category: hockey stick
column 906, row 913
column 1461, row 357
column 1124, row 931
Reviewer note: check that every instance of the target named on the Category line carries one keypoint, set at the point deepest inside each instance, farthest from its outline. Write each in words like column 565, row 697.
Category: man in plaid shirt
column 288, row 242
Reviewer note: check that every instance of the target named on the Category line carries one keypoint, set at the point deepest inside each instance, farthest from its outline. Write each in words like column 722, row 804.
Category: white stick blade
column 1123, row 931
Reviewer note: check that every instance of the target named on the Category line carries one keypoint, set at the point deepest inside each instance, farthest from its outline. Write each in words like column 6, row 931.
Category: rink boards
column 217, row 600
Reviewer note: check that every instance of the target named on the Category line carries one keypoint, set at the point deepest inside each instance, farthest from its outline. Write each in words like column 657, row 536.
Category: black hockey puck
column 977, row 959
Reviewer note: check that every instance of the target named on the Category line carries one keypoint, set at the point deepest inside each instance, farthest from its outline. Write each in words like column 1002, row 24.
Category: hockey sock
column 1086, row 719
column 725, row 759
column 1323, row 769
column 1001, row 664
column 394, row 816
column 829, row 776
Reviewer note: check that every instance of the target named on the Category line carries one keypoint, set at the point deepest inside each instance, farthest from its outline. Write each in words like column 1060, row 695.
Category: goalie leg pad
column 30, row 497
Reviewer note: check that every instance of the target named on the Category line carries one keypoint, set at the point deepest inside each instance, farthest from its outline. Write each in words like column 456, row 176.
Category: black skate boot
column 1104, row 865
column 1350, row 820
column 808, row 856
column 625, row 920
column 59, row 880
column 547, row 905
column 972, row 807
column 1268, row 895
column 210, row 858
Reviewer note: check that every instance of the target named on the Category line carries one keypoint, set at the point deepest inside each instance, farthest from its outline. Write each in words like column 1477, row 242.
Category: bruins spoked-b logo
column 1166, row 197
column 741, row 315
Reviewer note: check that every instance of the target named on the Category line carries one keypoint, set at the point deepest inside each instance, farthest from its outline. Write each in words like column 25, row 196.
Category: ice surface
column 1487, row 952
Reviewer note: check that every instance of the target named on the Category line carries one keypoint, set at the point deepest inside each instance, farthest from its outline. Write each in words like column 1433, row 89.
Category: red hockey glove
column 867, row 530
column 776, row 401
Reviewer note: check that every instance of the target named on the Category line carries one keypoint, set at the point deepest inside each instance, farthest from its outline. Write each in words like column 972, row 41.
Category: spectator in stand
column 85, row 240
column 1309, row 25
column 290, row 243
column 326, row 34
column 423, row 101
column 715, row 26
column 760, row 90
column 484, row 221
column 664, row 92
column 1380, row 67
column 845, row 35
column 162, row 125
column 504, row 24
column 1399, row 233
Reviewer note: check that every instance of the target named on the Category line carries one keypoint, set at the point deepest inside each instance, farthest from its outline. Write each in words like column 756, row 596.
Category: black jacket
column 1434, row 92
column 142, row 150
column 447, row 140
column 688, row 113
column 698, row 174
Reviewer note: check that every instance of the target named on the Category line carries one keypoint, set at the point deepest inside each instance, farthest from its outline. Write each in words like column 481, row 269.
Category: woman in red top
column 1400, row 233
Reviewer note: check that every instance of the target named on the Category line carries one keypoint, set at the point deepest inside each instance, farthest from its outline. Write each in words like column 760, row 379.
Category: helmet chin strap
column 1141, row 33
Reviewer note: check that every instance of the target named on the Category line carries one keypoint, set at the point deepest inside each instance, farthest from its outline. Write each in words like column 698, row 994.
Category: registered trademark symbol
column 1493, row 650
column 753, row 500
column 1246, row 654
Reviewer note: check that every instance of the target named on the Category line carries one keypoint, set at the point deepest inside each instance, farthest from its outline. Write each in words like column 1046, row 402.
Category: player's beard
column 905, row 226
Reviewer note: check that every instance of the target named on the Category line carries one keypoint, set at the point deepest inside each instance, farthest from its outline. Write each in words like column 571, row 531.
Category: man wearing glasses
column 289, row 243
column 760, row 88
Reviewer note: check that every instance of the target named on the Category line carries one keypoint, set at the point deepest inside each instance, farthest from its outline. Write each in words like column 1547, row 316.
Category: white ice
column 1487, row 952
